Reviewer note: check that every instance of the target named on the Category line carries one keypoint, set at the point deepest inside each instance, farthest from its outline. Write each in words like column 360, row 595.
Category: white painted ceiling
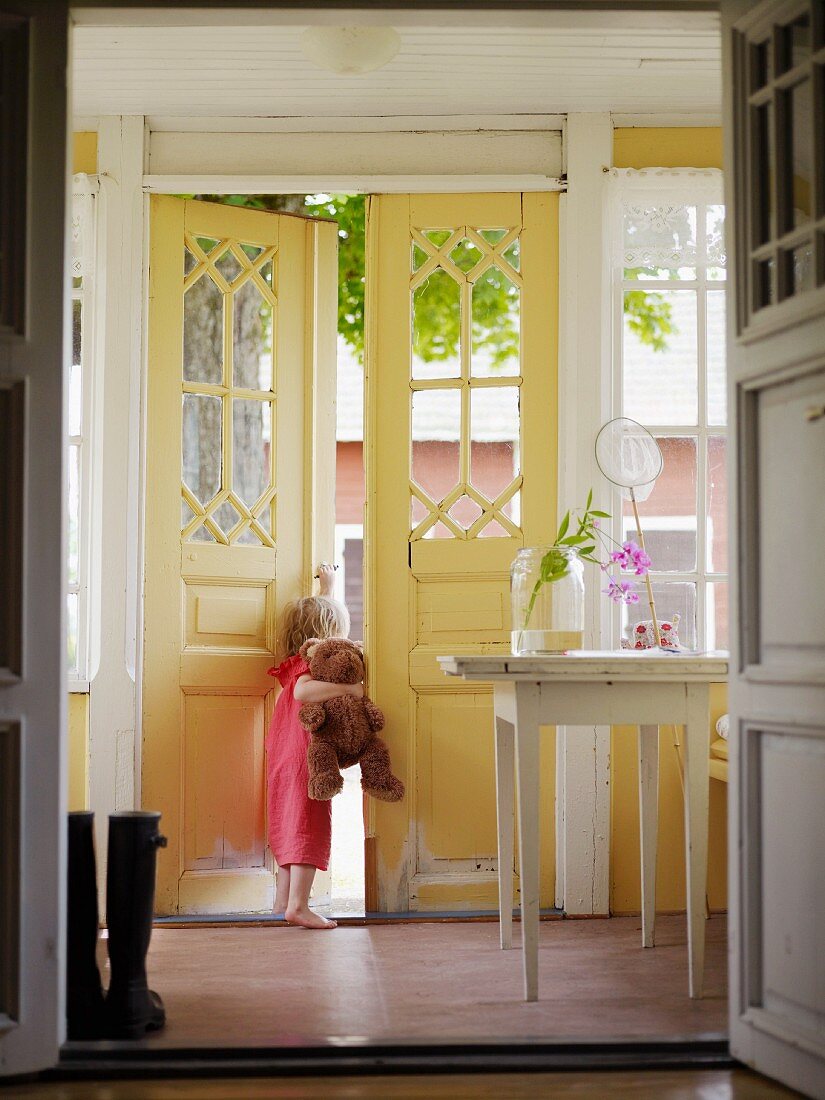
column 629, row 65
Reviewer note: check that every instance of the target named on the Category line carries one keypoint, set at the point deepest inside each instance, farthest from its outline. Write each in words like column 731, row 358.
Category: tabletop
column 627, row 665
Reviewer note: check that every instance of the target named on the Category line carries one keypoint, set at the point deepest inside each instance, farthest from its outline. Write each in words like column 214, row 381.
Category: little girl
column 300, row 828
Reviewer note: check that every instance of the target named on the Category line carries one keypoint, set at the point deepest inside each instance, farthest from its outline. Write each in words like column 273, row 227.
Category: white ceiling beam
column 351, row 185
column 437, row 153
column 361, row 124
column 664, row 118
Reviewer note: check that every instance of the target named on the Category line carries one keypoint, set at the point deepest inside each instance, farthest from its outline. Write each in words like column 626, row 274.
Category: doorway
column 478, row 274
column 240, row 354
column 457, row 596
column 422, row 242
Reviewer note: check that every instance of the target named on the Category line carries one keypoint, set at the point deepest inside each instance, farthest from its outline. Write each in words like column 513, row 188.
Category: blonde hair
column 311, row 617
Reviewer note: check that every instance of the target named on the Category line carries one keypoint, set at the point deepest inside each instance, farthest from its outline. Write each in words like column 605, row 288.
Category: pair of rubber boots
column 130, row 1008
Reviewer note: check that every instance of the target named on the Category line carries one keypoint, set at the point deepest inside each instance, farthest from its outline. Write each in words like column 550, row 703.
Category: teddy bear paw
column 391, row 791
column 324, row 787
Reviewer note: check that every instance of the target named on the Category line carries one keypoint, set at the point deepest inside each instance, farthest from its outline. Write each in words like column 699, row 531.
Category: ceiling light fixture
column 350, row 50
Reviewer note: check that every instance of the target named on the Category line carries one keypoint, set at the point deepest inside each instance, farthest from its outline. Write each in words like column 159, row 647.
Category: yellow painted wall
column 679, row 147
column 78, row 752
column 84, row 160
column 673, row 147
column 85, row 151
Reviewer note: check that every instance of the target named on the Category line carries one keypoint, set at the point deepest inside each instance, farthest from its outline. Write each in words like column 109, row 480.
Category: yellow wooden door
column 461, row 473
column 239, row 504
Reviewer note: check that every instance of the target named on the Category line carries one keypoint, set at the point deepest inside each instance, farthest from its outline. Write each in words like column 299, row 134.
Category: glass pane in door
column 252, row 363
column 436, row 430
column 436, row 324
column 203, row 332
column 202, row 415
column 797, row 189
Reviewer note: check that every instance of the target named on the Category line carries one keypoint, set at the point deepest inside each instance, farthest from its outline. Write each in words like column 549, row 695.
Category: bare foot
column 305, row 918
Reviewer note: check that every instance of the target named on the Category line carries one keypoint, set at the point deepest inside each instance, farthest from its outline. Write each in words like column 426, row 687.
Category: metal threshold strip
column 358, row 1055
column 344, row 918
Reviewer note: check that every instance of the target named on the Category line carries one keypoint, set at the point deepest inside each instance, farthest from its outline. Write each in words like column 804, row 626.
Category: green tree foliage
column 437, row 328
column 350, row 213
column 648, row 315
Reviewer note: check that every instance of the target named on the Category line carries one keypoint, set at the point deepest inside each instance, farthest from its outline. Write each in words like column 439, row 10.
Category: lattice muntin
column 429, row 254
column 255, row 524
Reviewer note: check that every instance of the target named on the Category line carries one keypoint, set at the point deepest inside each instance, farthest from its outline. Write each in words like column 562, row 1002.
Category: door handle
column 815, row 412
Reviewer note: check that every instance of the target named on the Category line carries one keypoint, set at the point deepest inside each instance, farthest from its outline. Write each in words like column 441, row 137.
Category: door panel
column 449, row 745
column 792, row 473
column 461, row 452
column 222, row 755
column 234, row 344
column 35, row 312
column 792, row 767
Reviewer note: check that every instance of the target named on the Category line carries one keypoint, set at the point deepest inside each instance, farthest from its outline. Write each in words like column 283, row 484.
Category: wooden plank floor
column 267, row 986
column 738, row 1084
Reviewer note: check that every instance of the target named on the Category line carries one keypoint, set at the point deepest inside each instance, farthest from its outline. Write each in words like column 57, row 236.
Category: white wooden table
column 593, row 687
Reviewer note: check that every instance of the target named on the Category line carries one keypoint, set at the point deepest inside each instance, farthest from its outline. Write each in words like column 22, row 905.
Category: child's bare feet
column 305, row 918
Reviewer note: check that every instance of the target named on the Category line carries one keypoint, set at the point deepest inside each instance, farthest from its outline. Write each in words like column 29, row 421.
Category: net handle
column 649, row 586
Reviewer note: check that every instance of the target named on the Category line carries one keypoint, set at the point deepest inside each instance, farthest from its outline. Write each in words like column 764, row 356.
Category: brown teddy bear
column 344, row 730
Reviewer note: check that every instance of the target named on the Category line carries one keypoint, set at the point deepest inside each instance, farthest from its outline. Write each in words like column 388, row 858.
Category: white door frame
column 114, row 700
column 583, row 754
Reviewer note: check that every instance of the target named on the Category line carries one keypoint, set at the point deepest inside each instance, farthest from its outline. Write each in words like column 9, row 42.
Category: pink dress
column 300, row 827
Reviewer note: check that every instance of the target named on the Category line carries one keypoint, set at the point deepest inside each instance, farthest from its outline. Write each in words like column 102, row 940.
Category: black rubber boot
column 132, row 1008
column 84, row 992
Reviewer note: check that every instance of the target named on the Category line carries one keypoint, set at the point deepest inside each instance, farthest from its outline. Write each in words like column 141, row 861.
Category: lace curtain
column 659, row 227
column 82, row 226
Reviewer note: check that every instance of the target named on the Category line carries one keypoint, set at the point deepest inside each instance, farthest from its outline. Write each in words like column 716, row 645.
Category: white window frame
column 702, row 188
column 84, row 248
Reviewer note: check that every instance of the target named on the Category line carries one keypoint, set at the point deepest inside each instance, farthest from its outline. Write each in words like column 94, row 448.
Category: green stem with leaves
column 554, row 564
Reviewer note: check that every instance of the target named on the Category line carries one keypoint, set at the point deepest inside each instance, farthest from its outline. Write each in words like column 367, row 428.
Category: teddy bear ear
column 307, row 650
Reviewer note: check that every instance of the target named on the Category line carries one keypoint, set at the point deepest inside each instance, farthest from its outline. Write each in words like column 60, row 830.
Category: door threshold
column 345, row 1055
column 344, row 919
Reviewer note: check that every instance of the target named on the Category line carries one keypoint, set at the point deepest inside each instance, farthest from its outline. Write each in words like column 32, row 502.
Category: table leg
column 527, row 765
column 696, row 828
column 505, row 798
column 648, row 826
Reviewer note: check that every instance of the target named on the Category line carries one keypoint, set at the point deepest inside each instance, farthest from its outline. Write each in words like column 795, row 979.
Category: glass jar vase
column 548, row 615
